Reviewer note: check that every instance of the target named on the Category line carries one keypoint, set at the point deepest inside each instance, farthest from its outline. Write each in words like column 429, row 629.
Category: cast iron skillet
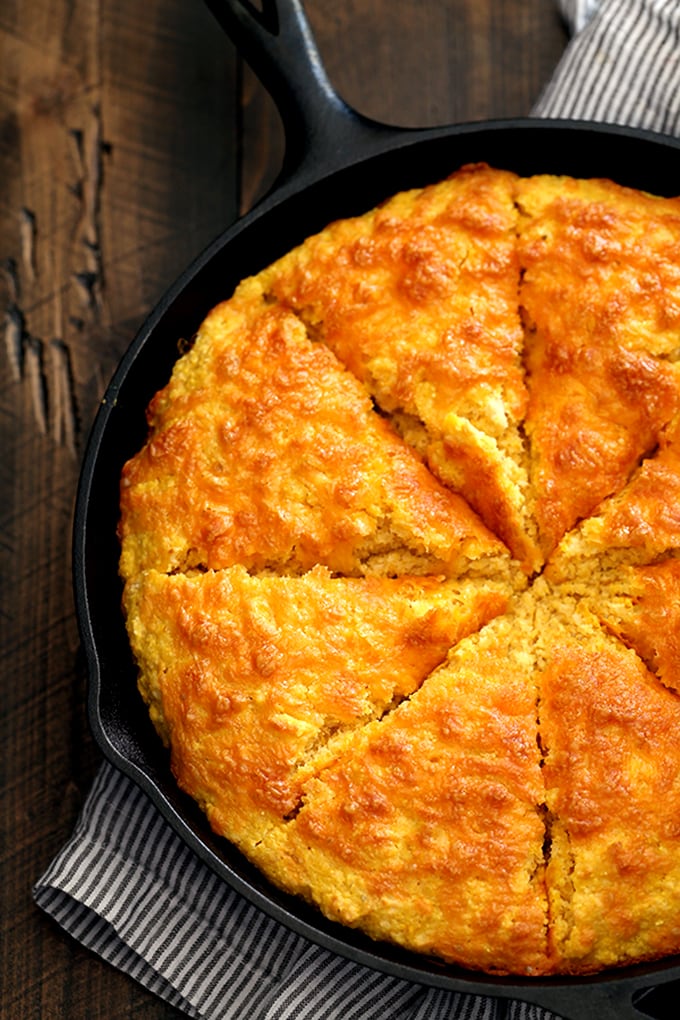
column 337, row 164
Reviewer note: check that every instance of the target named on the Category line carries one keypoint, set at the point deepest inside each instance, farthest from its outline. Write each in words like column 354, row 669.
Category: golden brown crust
column 645, row 615
column 593, row 415
column 638, row 524
column 600, row 297
column 646, row 513
column 265, row 451
column 477, row 762
column 600, row 264
column 419, row 299
column 254, row 679
column 613, row 789
column 427, row 832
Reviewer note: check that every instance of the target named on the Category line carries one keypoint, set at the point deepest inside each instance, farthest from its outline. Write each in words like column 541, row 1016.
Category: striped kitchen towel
column 621, row 66
column 128, row 888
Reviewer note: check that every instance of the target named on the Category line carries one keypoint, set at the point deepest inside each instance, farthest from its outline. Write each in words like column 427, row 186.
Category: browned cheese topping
column 401, row 559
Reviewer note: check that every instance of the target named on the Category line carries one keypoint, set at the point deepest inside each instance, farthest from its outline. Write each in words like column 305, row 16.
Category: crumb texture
column 401, row 565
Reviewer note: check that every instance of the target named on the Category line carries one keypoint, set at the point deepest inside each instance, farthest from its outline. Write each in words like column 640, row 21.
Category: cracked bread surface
column 427, row 829
column 401, row 565
column 419, row 299
column 265, row 451
column 253, row 681
column 610, row 734
column 600, row 298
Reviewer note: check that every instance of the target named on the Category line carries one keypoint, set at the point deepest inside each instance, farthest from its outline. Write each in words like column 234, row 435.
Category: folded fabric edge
column 97, row 935
column 160, row 923
column 314, row 987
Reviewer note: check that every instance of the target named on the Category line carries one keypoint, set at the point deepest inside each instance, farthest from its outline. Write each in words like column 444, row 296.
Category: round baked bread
column 402, row 578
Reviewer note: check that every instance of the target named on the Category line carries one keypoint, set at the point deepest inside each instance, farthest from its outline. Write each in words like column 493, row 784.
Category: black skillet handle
column 322, row 132
column 617, row 999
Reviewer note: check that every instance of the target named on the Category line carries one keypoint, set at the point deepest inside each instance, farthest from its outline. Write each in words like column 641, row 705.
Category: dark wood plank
column 130, row 134
column 117, row 121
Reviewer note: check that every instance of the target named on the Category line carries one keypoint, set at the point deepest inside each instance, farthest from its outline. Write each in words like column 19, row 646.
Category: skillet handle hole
column 659, row 1003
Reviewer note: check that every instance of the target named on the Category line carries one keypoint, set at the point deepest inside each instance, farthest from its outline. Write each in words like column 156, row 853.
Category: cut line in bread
column 265, row 451
column 418, row 298
column 255, row 681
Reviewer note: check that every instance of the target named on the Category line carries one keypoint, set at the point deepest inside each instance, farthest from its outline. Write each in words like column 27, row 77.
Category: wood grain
column 130, row 135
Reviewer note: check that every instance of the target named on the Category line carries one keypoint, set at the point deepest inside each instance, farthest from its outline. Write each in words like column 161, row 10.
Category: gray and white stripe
column 622, row 68
column 129, row 889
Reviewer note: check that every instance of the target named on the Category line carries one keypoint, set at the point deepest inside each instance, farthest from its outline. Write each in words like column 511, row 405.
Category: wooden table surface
column 131, row 134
